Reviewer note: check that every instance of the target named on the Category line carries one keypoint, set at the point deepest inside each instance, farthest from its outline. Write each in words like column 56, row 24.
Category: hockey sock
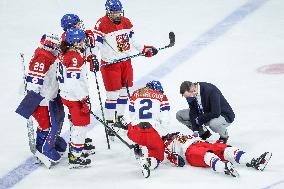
column 122, row 101
column 110, row 104
column 213, row 161
column 78, row 136
column 236, row 155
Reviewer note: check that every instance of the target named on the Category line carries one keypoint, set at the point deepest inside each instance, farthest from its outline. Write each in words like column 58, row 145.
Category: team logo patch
column 122, row 42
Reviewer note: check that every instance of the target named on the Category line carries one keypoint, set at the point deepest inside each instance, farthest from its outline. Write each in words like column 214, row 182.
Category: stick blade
column 172, row 39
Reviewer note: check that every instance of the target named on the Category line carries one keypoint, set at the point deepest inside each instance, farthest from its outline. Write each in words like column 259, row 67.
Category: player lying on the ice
column 220, row 157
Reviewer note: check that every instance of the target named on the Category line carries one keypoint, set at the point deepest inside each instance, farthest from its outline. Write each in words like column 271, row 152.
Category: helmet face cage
column 70, row 21
column 50, row 42
column 155, row 85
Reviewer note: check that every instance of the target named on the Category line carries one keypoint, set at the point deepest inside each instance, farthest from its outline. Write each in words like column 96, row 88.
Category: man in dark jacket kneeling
column 207, row 107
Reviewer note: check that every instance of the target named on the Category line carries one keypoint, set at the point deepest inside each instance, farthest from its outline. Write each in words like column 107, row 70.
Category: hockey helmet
column 50, row 42
column 69, row 21
column 113, row 5
column 155, row 85
column 74, row 35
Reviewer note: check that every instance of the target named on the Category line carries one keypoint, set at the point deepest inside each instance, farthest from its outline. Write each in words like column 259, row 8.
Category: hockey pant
column 78, row 116
column 148, row 137
column 218, row 125
column 118, row 75
column 197, row 154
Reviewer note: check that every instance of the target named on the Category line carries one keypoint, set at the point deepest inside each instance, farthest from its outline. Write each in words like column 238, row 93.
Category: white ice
column 230, row 62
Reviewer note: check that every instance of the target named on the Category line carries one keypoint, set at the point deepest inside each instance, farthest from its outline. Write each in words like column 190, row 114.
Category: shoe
column 138, row 151
column 230, row 170
column 260, row 162
column 89, row 148
column 222, row 140
column 206, row 135
column 145, row 166
column 78, row 162
column 150, row 162
column 110, row 124
column 121, row 123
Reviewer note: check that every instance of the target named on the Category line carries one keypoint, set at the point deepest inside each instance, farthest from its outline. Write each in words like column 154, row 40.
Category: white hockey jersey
column 147, row 105
column 115, row 41
column 72, row 75
column 179, row 143
column 41, row 76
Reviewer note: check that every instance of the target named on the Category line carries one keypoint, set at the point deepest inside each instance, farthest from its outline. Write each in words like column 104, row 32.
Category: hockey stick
column 144, row 168
column 100, row 99
column 127, row 89
column 32, row 143
column 172, row 43
column 130, row 146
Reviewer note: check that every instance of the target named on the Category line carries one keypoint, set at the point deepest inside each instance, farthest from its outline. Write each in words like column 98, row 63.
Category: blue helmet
column 113, row 5
column 69, row 21
column 155, row 85
column 75, row 35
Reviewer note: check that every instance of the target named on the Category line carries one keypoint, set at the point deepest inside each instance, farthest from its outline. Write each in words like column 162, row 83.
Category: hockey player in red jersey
column 149, row 113
column 69, row 21
column 115, row 40
column 73, row 85
column 42, row 90
column 220, row 157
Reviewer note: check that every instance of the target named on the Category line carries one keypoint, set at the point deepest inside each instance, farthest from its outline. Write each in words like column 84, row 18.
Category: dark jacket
column 214, row 104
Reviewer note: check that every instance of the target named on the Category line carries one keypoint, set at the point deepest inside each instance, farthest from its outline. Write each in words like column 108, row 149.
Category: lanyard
column 199, row 104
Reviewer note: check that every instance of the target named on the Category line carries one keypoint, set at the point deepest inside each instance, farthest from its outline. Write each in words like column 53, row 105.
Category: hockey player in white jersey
column 220, row 157
column 149, row 112
column 73, row 84
column 41, row 101
column 115, row 40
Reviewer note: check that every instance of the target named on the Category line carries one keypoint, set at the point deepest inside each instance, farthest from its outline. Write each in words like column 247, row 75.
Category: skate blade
column 267, row 158
column 146, row 171
column 89, row 152
column 78, row 166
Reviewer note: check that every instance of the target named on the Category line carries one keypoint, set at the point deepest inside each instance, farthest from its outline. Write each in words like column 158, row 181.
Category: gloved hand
column 91, row 38
column 195, row 134
column 149, row 51
column 84, row 106
column 94, row 63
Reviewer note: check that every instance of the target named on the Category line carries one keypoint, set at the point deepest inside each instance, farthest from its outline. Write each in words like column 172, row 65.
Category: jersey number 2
column 147, row 106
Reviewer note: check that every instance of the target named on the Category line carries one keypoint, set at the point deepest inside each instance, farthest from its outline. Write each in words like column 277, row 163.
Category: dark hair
column 64, row 46
column 185, row 86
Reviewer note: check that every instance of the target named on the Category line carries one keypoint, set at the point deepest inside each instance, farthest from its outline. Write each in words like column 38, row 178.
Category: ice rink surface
column 235, row 44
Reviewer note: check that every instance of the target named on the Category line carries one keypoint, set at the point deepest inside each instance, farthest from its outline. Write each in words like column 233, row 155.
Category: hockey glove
column 94, row 63
column 84, row 105
column 149, row 51
column 91, row 38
